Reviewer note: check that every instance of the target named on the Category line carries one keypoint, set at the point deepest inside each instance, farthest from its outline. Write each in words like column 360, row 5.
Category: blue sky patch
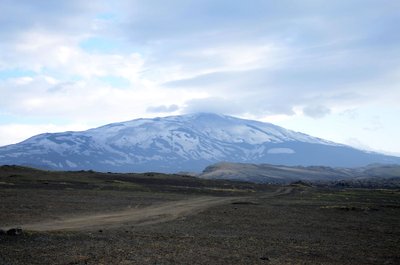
column 97, row 44
column 115, row 81
column 15, row 73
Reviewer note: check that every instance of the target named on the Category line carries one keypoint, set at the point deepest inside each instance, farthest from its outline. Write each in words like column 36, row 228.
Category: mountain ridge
column 281, row 174
column 182, row 143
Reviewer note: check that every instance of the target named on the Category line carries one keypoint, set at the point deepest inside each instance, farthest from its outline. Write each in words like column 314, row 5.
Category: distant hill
column 265, row 173
column 182, row 143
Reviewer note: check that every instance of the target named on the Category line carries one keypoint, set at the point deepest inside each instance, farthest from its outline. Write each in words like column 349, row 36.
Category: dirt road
column 140, row 216
column 137, row 216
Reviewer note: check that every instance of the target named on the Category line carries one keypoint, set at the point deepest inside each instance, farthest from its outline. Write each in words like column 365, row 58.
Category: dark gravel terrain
column 251, row 224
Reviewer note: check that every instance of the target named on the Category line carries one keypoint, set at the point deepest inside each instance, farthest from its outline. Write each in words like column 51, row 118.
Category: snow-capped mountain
column 181, row 143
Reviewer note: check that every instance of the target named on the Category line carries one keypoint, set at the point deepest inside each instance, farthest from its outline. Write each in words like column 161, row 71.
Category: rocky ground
column 244, row 224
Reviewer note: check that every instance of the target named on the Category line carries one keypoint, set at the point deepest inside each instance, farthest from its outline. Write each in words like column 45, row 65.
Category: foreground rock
column 11, row 232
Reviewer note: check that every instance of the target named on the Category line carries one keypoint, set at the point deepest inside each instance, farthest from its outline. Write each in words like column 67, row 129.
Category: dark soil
column 307, row 225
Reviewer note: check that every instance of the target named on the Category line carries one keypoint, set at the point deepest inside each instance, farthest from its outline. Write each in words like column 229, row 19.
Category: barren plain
column 104, row 218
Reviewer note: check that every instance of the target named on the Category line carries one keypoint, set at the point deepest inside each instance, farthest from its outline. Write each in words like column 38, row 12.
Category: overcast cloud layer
column 327, row 68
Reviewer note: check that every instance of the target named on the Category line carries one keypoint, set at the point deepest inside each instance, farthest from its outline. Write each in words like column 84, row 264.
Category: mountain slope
column 181, row 143
column 265, row 173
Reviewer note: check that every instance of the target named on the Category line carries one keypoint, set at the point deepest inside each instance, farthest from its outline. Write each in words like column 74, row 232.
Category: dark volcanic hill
column 280, row 174
column 182, row 143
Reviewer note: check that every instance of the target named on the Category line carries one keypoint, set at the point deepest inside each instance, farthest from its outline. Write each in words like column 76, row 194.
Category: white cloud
column 163, row 109
column 317, row 111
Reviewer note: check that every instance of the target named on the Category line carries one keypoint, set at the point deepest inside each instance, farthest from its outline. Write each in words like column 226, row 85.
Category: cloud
column 238, row 105
column 375, row 124
column 316, row 112
column 215, row 105
column 162, row 108
column 67, row 16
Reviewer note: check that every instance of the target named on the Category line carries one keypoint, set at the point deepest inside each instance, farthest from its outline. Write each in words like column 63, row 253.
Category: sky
column 330, row 69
